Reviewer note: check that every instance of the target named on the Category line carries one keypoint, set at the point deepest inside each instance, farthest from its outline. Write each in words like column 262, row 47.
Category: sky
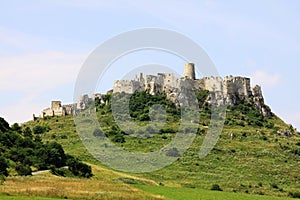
column 43, row 45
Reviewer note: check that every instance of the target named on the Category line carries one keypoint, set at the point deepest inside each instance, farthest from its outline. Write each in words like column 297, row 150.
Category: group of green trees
column 245, row 114
column 143, row 107
column 136, row 105
column 22, row 150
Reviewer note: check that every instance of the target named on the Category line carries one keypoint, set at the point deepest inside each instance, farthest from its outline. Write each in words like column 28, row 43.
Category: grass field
column 256, row 161
column 188, row 194
column 106, row 185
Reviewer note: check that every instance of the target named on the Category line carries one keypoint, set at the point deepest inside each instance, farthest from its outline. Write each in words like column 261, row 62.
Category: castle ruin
column 57, row 109
column 230, row 91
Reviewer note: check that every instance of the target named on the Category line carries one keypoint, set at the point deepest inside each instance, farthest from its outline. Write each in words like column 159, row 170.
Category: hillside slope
column 255, row 154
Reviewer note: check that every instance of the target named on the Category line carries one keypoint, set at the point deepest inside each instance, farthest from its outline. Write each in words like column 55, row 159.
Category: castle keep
column 232, row 90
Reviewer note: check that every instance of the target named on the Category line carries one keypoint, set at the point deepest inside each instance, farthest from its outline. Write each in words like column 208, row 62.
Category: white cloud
column 265, row 79
column 38, row 71
column 19, row 40
column 33, row 76
column 22, row 111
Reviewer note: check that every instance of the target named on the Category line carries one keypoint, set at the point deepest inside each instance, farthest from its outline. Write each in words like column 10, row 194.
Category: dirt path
column 123, row 174
column 44, row 171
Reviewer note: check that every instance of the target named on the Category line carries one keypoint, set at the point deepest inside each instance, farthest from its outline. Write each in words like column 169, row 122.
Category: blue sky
column 44, row 43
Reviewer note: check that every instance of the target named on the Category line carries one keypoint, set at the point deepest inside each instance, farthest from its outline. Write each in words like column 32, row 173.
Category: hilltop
column 230, row 91
column 257, row 153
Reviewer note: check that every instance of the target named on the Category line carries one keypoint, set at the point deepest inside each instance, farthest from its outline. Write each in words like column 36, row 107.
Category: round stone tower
column 189, row 71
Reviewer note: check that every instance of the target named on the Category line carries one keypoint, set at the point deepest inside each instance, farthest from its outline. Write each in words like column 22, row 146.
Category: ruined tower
column 189, row 71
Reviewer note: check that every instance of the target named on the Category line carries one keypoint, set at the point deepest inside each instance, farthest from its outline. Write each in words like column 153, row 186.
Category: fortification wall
column 55, row 110
column 213, row 84
column 236, row 89
column 127, row 86
column 230, row 91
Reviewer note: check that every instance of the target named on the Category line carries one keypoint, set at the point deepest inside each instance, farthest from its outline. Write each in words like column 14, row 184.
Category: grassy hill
column 251, row 160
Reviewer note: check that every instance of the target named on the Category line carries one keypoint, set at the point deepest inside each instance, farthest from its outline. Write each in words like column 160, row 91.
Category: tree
column 4, row 126
column 3, row 166
column 27, row 132
column 78, row 168
column 38, row 129
column 16, row 127
column 23, row 170
column 55, row 155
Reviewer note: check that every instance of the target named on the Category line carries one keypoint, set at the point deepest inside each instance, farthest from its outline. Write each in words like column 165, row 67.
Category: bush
column 131, row 181
column 173, row 152
column 143, row 117
column 23, row 170
column 64, row 137
column 79, row 169
column 114, row 130
column 200, row 131
column 164, row 137
column 265, row 138
column 97, row 132
column 38, row 129
column 273, row 185
column 260, row 193
column 216, row 187
column 244, row 134
column 270, row 125
column 57, row 171
column 119, row 138
column 64, row 172
column 296, row 151
column 294, row 194
column 167, row 130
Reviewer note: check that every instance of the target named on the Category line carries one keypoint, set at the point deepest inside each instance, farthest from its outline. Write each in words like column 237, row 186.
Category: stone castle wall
column 232, row 90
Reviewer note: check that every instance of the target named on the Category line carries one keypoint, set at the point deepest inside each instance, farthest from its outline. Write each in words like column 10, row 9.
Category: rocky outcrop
column 259, row 102
column 230, row 91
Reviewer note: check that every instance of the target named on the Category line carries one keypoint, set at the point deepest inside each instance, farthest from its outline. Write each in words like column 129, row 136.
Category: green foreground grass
column 199, row 194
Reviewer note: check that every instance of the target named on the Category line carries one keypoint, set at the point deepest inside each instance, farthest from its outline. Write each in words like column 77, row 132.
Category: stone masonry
column 232, row 90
